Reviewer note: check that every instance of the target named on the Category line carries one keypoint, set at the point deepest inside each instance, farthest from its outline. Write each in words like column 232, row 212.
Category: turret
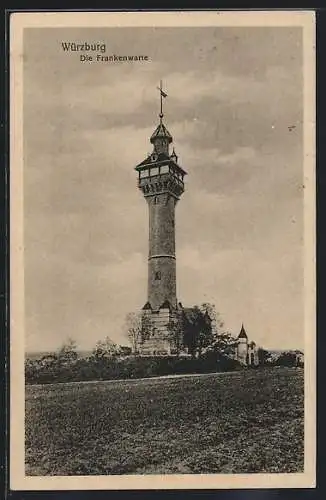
column 242, row 346
column 161, row 139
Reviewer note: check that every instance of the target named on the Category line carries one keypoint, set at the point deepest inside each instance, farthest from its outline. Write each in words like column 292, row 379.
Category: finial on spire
column 162, row 94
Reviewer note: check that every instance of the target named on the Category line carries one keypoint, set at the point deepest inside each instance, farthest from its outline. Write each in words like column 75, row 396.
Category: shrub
column 288, row 358
column 131, row 367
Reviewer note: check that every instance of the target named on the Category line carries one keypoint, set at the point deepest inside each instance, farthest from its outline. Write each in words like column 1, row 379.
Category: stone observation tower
column 161, row 180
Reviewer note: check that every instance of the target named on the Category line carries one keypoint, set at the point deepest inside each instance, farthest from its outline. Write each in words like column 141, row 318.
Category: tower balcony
column 165, row 183
column 161, row 177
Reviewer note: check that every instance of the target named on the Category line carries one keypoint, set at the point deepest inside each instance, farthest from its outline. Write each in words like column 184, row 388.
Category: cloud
column 245, row 154
column 94, row 291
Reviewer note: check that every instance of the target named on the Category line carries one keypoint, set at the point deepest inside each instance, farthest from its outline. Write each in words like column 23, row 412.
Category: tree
column 105, row 349
column 264, row 356
column 204, row 332
column 224, row 343
column 67, row 353
column 210, row 310
column 217, row 324
column 287, row 358
column 198, row 332
column 134, row 330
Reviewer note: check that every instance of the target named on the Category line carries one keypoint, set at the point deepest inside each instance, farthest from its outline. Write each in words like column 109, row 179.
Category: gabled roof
column 149, row 161
column 161, row 131
column 242, row 334
column 161, row 158
column 147, row 306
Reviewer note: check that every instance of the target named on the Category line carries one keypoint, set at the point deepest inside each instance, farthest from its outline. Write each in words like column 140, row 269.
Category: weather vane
column 162, row 94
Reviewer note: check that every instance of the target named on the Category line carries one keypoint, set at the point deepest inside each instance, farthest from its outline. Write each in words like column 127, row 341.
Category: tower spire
column 161, row 137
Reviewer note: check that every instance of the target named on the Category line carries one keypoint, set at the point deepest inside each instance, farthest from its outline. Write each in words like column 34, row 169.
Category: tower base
column 162, row 331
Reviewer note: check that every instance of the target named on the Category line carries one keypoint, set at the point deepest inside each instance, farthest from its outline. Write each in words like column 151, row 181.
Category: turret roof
column 242, row 334
column 161, row 131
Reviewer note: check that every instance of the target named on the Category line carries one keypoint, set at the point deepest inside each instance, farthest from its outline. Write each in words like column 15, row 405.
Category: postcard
column 162, row 244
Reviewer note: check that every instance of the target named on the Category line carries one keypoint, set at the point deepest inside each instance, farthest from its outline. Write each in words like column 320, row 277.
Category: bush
column 131, row 367
column 289, row 359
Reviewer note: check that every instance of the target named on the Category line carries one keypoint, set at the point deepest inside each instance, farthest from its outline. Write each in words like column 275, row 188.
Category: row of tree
column 200, row 332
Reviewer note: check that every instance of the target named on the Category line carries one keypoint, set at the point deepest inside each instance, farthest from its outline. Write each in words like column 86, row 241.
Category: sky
column 234, row 109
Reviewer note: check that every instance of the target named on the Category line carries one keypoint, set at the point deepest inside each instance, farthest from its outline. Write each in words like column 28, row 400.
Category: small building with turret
column 246, row 352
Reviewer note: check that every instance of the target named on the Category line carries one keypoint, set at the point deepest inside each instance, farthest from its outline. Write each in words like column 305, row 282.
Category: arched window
column 158, row 275
column 155, row 200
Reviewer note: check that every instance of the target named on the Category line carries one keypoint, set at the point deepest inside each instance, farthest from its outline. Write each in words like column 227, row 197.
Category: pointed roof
column 242, row 334
column 161, row 131
column 147, row 306
column 174, row 156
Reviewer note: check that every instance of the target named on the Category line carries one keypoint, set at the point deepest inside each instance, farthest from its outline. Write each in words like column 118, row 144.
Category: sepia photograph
column 162, row 250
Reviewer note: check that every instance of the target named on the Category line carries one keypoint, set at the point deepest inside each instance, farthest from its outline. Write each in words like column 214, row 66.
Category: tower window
column 155, row 200
column 143, row 173
column 154, row 171
column 158, row 275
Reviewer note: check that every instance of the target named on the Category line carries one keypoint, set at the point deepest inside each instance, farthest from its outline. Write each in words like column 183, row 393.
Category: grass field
column 239, row 422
